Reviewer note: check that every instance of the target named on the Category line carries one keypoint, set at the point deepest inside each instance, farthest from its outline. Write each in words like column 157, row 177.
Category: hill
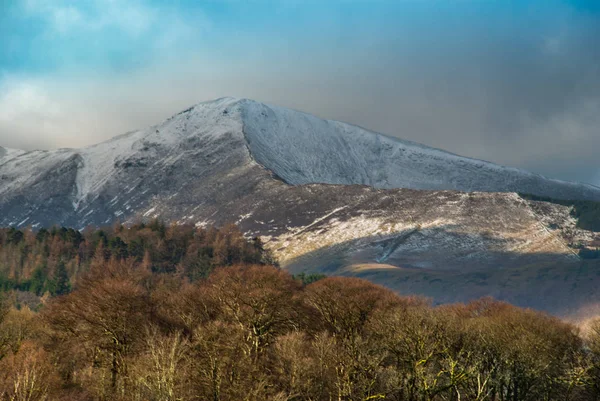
column 323, row 196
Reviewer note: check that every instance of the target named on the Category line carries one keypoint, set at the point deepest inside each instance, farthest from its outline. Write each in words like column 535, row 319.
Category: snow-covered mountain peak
column 301, row 148
column 214, row 164
column 223, row 139
column 204, row 122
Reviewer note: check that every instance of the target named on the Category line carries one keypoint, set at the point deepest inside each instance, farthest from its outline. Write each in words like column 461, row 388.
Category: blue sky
column 515, row 82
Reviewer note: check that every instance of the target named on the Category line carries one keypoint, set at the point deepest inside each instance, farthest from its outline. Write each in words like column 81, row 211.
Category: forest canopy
column 52, row 260
column 164, row 313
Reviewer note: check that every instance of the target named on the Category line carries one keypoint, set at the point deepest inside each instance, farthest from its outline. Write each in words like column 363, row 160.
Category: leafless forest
column 153, row 312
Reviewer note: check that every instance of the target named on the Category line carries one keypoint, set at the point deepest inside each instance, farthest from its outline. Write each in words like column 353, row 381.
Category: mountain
column 323, row 195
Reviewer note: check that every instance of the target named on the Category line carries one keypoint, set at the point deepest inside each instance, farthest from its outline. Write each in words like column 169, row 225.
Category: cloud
column 29, row 117
column 20, row 98
column 124, row 27
column 37, row 114
column 66, row 17
column 67, row 110
column 478, row 79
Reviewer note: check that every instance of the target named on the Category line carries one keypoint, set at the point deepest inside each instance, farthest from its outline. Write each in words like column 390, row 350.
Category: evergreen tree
column 42, row 235
column 38, row 280
column 14, row 236
column 62, row 285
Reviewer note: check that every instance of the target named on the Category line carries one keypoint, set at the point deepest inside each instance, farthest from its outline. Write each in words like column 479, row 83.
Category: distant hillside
column 226, row 148
column 587, row 213
column 322, row 196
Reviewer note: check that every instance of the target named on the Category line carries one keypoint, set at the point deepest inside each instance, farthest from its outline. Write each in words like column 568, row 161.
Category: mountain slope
column 303, row 149
column 398, row 219
column 215, row 138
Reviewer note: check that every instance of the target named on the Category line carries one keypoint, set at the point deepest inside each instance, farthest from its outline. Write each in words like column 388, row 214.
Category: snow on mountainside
column 297, row 147
column 97, row 184
column 6, row 153
column 271, row 170
column 302, row 149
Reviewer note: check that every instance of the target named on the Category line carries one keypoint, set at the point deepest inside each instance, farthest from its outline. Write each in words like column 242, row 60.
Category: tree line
column 586, row 212
column 253, row 332
column 50, row 261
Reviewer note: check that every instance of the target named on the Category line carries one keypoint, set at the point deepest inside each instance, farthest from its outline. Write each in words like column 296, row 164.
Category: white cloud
column 28, row 115
column 19, row 99
column 65, row 110
column 66, row 17
column 133, row 18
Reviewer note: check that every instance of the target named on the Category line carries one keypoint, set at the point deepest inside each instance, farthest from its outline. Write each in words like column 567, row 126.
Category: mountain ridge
column 313, row 190
column 303, row 149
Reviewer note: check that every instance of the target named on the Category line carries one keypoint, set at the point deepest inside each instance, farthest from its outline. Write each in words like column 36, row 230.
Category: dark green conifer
column 62, row 284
